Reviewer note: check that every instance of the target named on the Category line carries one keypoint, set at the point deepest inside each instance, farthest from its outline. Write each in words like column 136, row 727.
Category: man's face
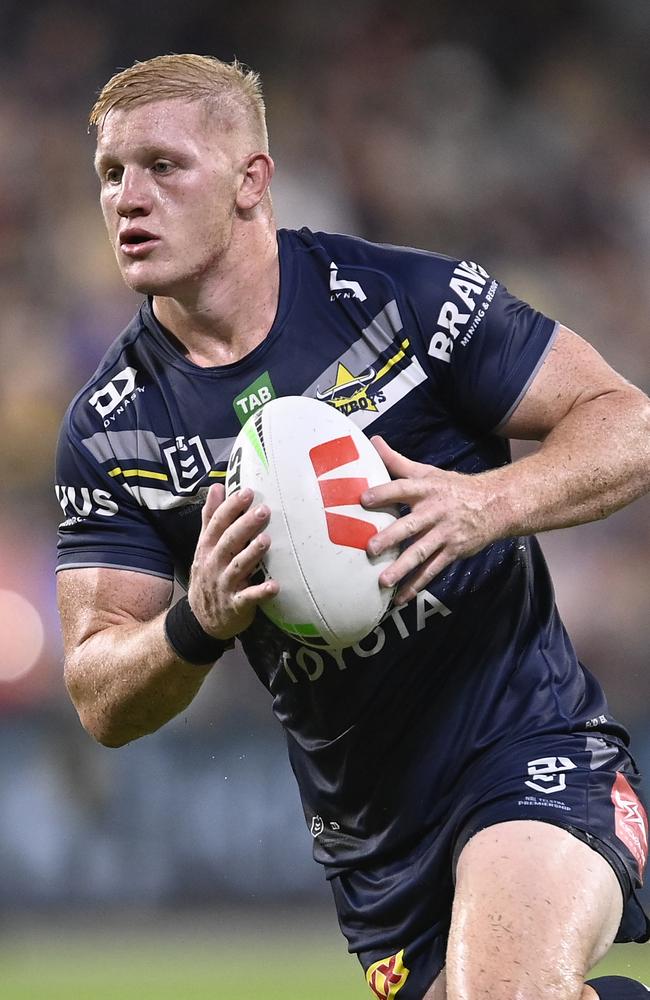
column 169, row 178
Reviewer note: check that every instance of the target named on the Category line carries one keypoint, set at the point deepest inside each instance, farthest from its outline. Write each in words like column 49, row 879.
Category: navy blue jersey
column 433, row 354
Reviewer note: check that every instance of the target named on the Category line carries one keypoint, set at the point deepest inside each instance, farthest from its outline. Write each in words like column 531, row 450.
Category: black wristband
column 188, row 638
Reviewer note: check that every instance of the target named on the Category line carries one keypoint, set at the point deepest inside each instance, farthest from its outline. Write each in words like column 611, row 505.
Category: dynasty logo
column 352, row 392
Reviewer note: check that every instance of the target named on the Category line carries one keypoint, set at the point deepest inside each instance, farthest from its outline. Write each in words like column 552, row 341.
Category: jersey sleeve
column 486, row 347
column 102, row 524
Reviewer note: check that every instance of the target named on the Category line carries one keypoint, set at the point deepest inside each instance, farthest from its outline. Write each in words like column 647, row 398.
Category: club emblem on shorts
column 188, row 462
column 631, row 821
column 386, row 978
column 548, row 774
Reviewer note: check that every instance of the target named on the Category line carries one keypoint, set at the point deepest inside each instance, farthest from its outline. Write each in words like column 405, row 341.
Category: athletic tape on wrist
column 189, row 640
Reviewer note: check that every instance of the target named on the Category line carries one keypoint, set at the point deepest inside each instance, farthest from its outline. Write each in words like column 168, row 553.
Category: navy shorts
column 396, row 914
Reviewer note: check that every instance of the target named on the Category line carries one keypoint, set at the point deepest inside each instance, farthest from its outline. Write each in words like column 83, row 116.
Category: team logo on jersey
column 188, row 462
column 116, row 395
column 253, row 397
column 342, row 289
column 548, row 774
column 353, row 532
column 317, row 826
column 386, row 978
column 350, row 393
column 631, row 821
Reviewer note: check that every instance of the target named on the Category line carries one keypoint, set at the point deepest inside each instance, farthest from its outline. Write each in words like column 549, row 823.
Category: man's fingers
column 397, row 464
column 214, row 499
column 399, row 531
column 240, row 533
column 245, row 562
column 427, row 572
column 258, row 592
column 224, row 515
column 421, row 549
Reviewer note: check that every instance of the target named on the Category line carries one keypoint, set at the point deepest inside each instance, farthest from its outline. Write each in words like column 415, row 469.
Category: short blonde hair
column 232, row 88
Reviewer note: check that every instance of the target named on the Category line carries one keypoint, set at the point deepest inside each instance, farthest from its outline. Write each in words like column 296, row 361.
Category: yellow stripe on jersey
column 143, row 473
column 391, row 361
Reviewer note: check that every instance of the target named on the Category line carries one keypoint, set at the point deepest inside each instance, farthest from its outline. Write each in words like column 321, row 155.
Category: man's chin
column 146, row 284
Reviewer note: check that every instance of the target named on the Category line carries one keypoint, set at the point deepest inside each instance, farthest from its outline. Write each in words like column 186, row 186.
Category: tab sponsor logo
column 461, row 314
column 253, row 397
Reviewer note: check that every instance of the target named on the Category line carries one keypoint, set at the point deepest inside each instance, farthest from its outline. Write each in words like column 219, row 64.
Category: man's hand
column 450, row 518
column 231, row 544
column 594, row 458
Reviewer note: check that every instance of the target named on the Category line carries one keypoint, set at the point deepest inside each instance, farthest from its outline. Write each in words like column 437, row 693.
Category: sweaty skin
column 201, row 194
column 188, row 214
column 594, row 458
column 499, row 950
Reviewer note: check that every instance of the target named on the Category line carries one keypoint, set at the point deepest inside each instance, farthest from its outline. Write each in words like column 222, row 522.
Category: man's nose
column 133, row 197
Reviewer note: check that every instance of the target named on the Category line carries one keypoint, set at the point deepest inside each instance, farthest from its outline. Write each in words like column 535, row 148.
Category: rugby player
column 471, row 798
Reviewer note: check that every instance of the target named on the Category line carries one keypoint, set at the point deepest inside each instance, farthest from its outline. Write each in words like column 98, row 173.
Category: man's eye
column 113, row 175
column 161, row 167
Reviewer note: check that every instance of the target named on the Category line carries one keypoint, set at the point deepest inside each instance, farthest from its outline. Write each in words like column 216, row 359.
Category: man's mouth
column 137, row 242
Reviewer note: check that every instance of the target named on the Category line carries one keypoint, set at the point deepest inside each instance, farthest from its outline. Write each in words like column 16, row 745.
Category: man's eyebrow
column 144, row 152
column 102, row 160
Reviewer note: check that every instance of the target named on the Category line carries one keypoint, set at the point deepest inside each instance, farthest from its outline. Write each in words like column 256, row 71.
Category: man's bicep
column 572, row 373
column 95, row 598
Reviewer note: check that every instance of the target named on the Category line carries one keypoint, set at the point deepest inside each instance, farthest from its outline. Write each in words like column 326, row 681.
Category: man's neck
column 232, row 312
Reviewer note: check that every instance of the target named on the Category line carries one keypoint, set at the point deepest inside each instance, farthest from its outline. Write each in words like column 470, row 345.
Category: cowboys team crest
column 350, row 392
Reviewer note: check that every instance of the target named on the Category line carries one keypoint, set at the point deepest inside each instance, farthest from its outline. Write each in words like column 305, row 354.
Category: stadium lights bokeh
column 22, row 633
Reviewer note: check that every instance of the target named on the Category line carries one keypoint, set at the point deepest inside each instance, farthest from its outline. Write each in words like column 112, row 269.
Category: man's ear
column 258, row 171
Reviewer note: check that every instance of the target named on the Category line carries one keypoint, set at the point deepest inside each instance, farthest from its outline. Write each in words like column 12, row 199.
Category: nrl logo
column 188, row 462
column 317, row 826
column 350, row 392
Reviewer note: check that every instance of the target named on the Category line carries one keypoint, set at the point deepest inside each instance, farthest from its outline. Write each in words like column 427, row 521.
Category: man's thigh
column 396, row 914
column 534, row 909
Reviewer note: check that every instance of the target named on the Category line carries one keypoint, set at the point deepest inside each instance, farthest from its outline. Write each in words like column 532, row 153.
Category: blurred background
column 513, row 134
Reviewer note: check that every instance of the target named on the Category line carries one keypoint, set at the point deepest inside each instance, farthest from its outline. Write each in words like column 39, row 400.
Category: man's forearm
column 126, row 682
column 595, row 461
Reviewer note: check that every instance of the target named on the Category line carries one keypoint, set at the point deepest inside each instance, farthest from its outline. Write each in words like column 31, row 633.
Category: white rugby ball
column 309, row 463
